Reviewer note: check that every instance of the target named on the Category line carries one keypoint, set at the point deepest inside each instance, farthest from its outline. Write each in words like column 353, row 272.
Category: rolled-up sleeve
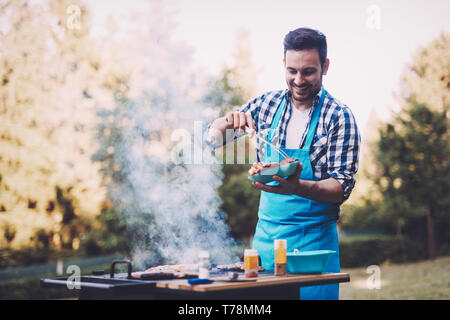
column 343, row 150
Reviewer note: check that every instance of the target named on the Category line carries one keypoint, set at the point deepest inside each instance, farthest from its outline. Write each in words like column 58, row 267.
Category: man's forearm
column 328, row 190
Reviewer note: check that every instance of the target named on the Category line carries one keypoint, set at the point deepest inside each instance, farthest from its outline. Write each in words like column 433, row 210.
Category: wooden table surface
column 262, row 280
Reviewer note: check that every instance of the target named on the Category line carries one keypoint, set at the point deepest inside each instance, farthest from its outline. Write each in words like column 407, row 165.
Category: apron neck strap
column 276, row 119
column 314, row 121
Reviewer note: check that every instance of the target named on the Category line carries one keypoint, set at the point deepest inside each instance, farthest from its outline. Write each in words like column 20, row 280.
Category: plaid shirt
column 335, row 148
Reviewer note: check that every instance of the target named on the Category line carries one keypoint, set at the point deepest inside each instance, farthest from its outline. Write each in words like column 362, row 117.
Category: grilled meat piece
column 162, row 275
column 153, row 275
column 238, row 266
column 174, row 268
column 174, row 271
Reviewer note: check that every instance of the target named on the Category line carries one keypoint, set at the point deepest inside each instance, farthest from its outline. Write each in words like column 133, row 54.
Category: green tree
column 52, row 76
column 412, row 151
column 413, row 157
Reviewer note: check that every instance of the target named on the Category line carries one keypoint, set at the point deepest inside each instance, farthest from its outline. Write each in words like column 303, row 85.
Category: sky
column 369, row 42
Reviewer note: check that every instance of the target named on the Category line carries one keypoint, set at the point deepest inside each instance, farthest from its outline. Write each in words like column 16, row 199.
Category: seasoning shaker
column 203, row 265
column 251, row 263
column 280, row 248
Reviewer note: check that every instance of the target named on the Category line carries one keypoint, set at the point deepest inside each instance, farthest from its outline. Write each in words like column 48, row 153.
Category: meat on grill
column 183, row 271
column 177, row 271
column 238, row 266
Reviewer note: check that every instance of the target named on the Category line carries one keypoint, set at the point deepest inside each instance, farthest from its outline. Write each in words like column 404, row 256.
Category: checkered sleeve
column 253, row 107
column 343, row 150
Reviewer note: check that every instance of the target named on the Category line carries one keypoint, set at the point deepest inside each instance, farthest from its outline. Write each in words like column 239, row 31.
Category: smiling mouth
column 300, row 89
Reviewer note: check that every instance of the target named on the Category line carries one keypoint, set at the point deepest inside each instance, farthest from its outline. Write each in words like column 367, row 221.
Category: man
column 307, row 124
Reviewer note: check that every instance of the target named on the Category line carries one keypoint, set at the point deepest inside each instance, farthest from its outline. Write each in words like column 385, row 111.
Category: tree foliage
column 412, row 155
column 49, row 74
column 414, row 178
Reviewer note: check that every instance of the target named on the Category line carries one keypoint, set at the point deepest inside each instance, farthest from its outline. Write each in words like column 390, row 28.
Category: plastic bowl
column 308, row 261
column 284, row 170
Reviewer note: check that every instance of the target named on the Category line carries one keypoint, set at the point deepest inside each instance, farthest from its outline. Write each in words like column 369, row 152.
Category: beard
column 305, row 92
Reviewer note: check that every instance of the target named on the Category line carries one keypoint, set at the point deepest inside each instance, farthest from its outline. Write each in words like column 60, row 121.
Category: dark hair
column 305, row 38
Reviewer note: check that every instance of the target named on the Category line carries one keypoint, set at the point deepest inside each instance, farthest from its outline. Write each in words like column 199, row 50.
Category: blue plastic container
column 284, row 170
column 308, row 261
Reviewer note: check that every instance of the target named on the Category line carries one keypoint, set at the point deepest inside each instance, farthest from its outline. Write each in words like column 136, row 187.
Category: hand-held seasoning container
column 280, row 257
column 203, row 265
column 251, row 263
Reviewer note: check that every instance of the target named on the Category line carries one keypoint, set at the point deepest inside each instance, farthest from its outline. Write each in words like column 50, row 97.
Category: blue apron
column 305, row 224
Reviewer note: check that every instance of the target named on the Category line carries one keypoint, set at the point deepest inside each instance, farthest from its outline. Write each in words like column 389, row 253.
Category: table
column 266, row 287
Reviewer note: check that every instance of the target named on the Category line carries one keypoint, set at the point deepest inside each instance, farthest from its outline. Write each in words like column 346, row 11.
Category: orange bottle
column 251, row 263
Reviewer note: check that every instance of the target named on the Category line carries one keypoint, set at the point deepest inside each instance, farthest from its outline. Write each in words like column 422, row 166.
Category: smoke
column 168, row 200
column 171, row 207
column 167, row 197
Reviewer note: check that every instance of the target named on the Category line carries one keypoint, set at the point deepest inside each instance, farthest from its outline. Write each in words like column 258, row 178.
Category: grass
column 49, row 269
column 425, row 280
column 23, row 283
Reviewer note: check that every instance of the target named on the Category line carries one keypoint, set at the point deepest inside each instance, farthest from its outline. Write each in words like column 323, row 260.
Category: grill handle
column 113, row 264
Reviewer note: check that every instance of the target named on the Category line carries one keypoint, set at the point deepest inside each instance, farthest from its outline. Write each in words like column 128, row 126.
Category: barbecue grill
column 123, row 286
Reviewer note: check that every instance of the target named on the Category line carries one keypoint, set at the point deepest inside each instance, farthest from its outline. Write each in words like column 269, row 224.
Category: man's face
column 304, row 73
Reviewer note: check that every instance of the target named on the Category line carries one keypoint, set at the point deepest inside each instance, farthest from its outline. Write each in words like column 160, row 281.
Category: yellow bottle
column 280, row 257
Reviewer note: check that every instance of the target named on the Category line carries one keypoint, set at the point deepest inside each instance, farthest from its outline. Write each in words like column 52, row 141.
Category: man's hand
column 222, row 129
column 290, row 185
column 258, row 166
column 328, row 190
column 239, row 120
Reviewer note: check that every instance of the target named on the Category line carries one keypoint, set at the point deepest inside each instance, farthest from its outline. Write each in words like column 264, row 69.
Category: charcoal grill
column 122, row 286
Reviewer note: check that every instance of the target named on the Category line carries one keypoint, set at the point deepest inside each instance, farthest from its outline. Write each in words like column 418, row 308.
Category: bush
column 23, row 257
column 378, row 250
